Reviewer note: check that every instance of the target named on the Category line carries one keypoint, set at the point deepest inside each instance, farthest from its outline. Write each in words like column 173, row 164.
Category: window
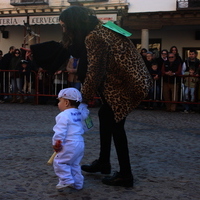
column 188, row 4
column 84, row 1
column 28, row 2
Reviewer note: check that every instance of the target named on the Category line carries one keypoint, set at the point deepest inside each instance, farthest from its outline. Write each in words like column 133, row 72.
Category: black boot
column 97, row 166
column 118, row 180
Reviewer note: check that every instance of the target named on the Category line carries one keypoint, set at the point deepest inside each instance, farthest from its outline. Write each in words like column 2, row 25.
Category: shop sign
column 10, row 21
column 43, row 20
column 55, row 19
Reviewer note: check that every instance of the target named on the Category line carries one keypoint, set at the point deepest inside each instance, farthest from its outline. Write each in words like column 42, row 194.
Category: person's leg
column 106, row 122
column 75, row 166
column 166, row 95
column 174, row 90
column 192, row 90
column 186, row 94
column 109, row 128
column 62, row 166
column 103, row 163
column 121, row 145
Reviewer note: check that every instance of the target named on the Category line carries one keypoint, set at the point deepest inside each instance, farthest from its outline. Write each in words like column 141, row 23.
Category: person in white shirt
column 68, row 131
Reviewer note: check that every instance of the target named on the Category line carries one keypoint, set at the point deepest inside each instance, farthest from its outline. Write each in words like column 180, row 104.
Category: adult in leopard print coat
column 117, row 72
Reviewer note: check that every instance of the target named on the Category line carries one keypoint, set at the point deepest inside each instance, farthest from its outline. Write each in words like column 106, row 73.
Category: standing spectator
column 154, row 93
column 72, row 73
column 143, row 53
column 7, row 58
column 162, row 58
column 174, row 50
column 191, row 61
column 170, row 72
column 25, row 72
column 14, row 76
column 1, row 78
column 190, row 85
column 5, row 66
column 60, row 80
column 149, row 60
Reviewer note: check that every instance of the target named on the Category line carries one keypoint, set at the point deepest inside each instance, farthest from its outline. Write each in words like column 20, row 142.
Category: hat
column 71, row 94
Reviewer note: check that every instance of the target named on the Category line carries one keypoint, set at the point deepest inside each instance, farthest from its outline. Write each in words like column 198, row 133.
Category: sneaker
column 97, row 166
column 185, row 111
column 1, row 101
column 60, row 187
column 118, row 180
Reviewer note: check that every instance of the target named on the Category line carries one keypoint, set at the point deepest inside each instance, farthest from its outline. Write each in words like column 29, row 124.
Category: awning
column 12, row 21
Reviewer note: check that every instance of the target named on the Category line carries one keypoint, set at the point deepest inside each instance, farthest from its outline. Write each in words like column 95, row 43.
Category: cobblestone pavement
column 164, row 151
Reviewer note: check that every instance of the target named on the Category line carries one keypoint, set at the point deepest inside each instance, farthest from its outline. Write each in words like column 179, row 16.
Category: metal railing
column 43, row 84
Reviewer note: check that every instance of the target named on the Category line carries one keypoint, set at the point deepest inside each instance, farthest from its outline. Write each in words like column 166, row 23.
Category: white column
column 145, row 38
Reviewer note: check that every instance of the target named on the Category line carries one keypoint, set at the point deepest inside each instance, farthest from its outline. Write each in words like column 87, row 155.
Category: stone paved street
column 164, row 151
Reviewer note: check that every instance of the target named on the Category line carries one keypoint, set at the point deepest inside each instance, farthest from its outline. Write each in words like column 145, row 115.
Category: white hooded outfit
column 69, row 130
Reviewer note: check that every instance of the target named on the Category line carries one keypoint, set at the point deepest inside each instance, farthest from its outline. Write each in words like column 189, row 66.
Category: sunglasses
column 17, row 53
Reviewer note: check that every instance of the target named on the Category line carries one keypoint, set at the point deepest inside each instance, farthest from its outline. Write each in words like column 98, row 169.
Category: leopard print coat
column 116, row 69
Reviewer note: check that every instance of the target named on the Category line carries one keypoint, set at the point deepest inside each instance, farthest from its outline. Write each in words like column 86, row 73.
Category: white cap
column 71, row 94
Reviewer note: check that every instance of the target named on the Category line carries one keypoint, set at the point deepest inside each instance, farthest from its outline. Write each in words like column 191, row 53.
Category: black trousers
column 110, row 129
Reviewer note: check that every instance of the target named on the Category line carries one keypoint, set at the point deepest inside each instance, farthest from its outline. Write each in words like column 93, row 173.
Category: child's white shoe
column 60, row 187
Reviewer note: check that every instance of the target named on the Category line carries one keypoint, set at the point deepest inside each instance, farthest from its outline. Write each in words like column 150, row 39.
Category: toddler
column 68, row 130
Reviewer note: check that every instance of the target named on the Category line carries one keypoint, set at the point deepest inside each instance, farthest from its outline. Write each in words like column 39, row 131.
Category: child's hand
column 57, row 147
column 156, row 77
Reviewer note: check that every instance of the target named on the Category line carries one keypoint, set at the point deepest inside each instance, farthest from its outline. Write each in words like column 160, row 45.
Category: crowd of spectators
column 174, row 79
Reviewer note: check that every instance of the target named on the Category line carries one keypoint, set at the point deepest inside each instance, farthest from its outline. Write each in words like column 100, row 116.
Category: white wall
column 151, row 5
column 16, row 36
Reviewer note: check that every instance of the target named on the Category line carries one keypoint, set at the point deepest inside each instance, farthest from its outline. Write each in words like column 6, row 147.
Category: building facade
column 162, row 24
column 154, row 24
column 25, row 22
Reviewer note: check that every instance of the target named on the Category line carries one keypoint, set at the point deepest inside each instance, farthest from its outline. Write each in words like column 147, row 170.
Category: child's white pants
column 67, row 164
